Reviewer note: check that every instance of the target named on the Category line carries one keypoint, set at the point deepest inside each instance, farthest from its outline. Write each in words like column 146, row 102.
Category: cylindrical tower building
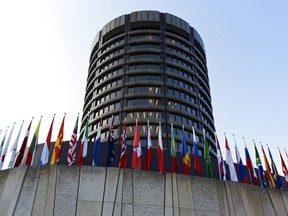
column 150, row 66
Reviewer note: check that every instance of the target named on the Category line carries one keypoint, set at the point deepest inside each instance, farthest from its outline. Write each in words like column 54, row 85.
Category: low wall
column 62, row 190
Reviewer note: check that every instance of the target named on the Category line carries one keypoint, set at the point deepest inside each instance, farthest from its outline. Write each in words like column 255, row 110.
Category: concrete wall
column 62, row 190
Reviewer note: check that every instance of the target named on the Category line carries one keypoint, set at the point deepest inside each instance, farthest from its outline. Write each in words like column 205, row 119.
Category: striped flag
column 268, row 170
column 71, row 155
column 196, row 157
column 148, row 158
column 173, row 152
column 185, row 154
column 229, row 161
column 14, row 148
column 137, row 152
column 4, row 152
column 221, row 165
column 284, row 168
column 264, row 183
column 242, row 175
column 97, row 145
column 110, row 144
column 207, row 157
column 20, row 154
column 46, row 148
column 33, row 146
column 123, row 155
column 250, row 166
column 84, row 144
column 58, row 144
column 160, row 151
column 275, row 174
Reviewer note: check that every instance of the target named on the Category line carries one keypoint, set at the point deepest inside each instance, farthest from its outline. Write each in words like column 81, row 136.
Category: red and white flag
column 46, row 148
column 137, row 152
column 71, row 155
column 284, row 169
column 148, row 149
column 160, row 151
column 230, row 163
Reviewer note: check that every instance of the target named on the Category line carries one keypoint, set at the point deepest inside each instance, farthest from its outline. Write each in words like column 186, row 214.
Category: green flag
column 207, row 157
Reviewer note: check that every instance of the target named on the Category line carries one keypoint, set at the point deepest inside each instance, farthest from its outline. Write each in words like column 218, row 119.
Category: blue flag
column 275, row 175
column 97, row 146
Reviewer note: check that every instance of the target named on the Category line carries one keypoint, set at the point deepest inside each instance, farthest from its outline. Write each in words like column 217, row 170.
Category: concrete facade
column 62, row 190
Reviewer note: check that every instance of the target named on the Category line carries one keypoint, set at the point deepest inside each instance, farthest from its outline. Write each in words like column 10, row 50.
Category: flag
column 160, row 151
column 284, row 169
column 4, row 152
column 185, row 154
column 58, row 144
column 97, row 145
column 20, row 154
column 137, row 152
column 229, row 161
column 242, row 176
column 173, row 152
column 207, row 157
column 250, row 167
column 33, row 146
column 71, row 155
column 110, row 145
column 197, row 163
column 275, row 174
column 84, row 144
column 46, row 148
column 3, row 140
column 221, row 165
column 14, row 148
column 264, row 183
column 148, row 158
column 123, row 155
column 268, row 170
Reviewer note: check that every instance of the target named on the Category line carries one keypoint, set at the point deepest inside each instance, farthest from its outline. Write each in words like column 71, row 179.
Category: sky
column 44, row 58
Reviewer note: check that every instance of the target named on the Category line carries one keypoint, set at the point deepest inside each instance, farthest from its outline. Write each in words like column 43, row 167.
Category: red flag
column 20, row 154
column 148, row 149
column 137, row 152
column 58, row 144
column 123, row 156
column 160, row 151
column 284, row 169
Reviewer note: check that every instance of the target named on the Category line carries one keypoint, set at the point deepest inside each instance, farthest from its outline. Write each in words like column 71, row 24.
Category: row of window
column 179, row 62
column 106, row 109
column 179, row 52
column 144, row 67
column 181, row 95
column 144, row 56
column 111, row 73
column 115, row 62
column 143, row 115
column 144, row 46
column 143, row 78
column 180, row 83
column 178, row 43
column 144, row 102
column 142, row 37
column 108, row 97
column 116, row 43
column 110, row 85
column 118, row 51
column 187, row 75
column 182, row 107
column 183, row 120
column 144, row 89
